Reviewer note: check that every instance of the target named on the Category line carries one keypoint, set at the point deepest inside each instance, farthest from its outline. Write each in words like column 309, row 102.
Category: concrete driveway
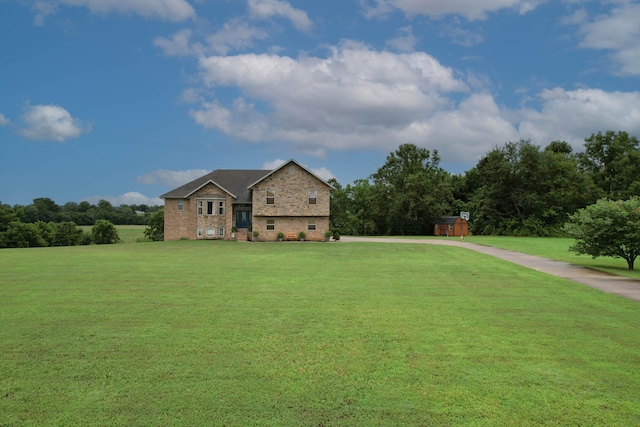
column 618, row 285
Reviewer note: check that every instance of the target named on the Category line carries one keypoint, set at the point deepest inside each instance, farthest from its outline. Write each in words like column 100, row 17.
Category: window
column 199, row 207
column 271, row 197
column 292, row 170
column 220, row 207
column 313, row 197
column 210, row 210
column 199, row 232
column 311, row 226
column 437, row 226
column 211, row 232
column 221, row 232
column 180, row 205
column 271, row 224
column 450, row 227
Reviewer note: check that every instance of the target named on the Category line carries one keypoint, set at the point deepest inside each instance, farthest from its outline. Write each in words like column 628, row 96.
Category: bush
column 66, row 234
column 336, row 235
column 104, row 233
column 155, row 229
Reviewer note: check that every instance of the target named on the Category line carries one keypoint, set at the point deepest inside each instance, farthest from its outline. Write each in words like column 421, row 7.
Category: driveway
column 618, row 285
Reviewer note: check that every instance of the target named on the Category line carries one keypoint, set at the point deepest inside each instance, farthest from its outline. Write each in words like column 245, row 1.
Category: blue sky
column 127, row 99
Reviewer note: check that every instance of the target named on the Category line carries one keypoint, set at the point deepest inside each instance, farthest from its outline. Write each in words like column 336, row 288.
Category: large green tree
column 612, row 160
column 607, row 228
column 518, row 189
column 411, row 190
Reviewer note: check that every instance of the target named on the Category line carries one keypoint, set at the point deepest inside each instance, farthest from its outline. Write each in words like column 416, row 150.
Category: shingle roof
column 447, row 220
column 234, row 181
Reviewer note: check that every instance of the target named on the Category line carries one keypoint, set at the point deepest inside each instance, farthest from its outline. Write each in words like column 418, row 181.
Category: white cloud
column 235, row 34
column 130, row 198
column 51, row 123
column 405, row 41
column 172, row 179
column 361, row 99
column 460, row 35
column 265, row 9
column 177, row 45
column 166, row 10
column 574, row 115
column 4, row 121
column 471, row 9
column 618, row 31
column 316, row 103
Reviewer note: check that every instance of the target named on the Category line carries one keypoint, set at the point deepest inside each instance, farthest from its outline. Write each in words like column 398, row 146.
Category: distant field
column 127, row 233
column 307, row 334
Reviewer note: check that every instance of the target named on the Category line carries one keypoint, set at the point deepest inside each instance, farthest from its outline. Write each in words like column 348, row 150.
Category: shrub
column 104, row 233
column 301, row 235
column 155, row 229
column 336, row 235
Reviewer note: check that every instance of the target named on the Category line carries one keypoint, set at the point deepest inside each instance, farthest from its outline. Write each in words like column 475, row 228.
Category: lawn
column 307, row 334
column 558, row 249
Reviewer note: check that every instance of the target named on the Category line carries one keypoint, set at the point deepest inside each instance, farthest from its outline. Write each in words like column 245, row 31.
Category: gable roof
column 235, row 182
column 447, row 220
column 297, row 164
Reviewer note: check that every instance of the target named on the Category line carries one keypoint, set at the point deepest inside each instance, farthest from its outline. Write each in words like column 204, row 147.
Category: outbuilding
column 451, row 226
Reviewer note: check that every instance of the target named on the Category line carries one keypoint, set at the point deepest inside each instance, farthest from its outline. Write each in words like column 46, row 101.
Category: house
column 289, row 199
column 451, row 226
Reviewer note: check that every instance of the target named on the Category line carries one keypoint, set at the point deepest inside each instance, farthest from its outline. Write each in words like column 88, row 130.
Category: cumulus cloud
column 130, row 198
column 358, row 98
column 471, row 9
column 617, row 31
column 170, row 178
column 353, row 96
column 574, row 115
column 166, row 10
column 177, row 45
column 4, row 121
column 265, row 9
column 51, row 123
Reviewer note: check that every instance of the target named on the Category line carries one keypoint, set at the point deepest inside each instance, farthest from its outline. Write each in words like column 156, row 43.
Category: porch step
column 242, row 235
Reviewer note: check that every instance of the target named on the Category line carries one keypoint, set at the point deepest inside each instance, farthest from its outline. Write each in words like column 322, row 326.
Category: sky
column 125, row 100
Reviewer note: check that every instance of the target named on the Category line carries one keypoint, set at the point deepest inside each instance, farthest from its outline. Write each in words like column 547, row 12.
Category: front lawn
column 307, row 334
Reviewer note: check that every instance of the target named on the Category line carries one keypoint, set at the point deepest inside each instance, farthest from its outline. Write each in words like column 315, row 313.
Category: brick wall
column 291, row 185
column 185, row 223
column 291, row 225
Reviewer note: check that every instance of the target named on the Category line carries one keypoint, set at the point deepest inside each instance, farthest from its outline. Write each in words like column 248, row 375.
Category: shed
column 451, row 226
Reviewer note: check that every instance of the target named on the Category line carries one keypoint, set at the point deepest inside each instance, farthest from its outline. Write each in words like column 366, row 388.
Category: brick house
column 451, row 226
column 289, row 199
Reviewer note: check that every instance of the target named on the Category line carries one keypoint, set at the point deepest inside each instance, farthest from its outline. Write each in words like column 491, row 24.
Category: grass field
column 307, row 334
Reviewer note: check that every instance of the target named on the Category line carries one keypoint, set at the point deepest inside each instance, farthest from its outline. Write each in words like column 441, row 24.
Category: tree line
column 44, row 223
column 83, row 213
column 518, row 188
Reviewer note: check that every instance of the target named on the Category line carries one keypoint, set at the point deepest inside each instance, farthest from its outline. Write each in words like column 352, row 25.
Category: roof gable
column 286, row 164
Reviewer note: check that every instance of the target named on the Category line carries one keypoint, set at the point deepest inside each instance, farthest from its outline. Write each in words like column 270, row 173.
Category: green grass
column 307, row 334
column 558, row 249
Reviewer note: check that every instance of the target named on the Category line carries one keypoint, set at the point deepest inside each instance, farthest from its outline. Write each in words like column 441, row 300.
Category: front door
column 243, row 219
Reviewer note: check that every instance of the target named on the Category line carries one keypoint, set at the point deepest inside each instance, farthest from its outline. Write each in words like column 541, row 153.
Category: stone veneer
column 291, row 211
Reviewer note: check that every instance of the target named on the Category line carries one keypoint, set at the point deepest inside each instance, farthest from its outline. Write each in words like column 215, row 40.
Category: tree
column 410, row 191
column 607, row 228
column 612, row 160
column 517, row 189
column 155, row 229
column 66, row 234
column 104, row 232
